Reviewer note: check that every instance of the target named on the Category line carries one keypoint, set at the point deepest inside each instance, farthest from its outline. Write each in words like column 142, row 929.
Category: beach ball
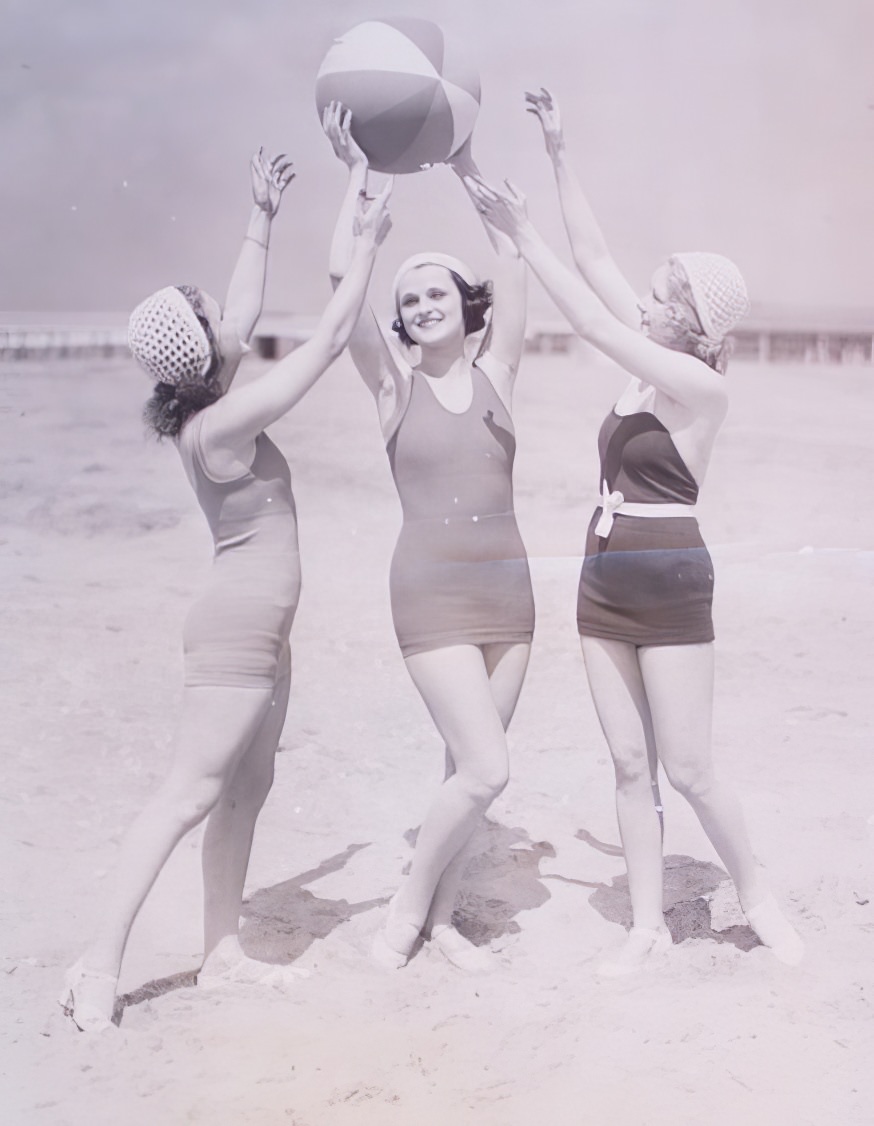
column 413, row 96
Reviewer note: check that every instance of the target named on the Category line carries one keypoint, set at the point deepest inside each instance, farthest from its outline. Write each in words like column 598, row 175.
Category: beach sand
column 103, row 550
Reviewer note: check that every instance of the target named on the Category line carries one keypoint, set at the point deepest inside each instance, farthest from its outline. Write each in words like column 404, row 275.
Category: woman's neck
column 442, row 362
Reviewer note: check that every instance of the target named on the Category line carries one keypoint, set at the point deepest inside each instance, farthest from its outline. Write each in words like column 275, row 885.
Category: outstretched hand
column 545, row 109
column 337, row 124
column 461, row 162
column 506, row 211
column 372, row 219
column 270, row 178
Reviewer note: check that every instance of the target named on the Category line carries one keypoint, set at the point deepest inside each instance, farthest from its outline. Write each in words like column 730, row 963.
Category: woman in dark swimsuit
column 235, row 638
column 460, row 588
column 647, row 579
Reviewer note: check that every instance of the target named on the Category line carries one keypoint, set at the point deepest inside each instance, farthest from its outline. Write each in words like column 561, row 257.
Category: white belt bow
column 614, row 502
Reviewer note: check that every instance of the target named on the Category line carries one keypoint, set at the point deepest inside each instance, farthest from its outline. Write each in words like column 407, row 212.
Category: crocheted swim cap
column 168, row 340
column 433, row 259
column 718, row 289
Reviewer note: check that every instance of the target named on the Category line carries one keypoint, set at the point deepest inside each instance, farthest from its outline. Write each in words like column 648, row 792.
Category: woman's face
column 659, row 317
column 212, row 314
column 430, row 306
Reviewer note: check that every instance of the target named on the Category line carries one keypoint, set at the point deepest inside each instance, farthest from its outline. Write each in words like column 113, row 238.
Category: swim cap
column 433, row 259
column 167, row 338
column 718, row 290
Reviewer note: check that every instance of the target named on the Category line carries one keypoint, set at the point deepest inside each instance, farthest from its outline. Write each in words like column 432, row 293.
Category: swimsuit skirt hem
column 640, row 639
column 650, row 582
column 484, row 637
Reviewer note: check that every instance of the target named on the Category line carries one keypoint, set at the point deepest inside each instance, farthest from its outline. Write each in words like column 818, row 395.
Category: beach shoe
column 642, row 948
column 228, row 965
column 774, row 930
column 462, row 953
column 88, row 998
column 395, row 953
column 385, row 955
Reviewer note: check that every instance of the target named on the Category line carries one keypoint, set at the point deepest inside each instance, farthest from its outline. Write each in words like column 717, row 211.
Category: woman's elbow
column 331, row 341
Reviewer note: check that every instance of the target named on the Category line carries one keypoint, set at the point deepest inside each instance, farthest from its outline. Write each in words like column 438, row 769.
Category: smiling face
column 430, row 307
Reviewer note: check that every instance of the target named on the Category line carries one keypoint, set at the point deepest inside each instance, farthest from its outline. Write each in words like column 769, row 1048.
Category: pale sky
column 745, row 127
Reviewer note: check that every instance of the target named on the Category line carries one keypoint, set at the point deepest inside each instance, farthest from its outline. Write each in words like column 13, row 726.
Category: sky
column 745, row 127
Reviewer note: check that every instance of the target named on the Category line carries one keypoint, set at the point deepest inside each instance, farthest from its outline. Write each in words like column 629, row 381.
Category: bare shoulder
column 223, row 454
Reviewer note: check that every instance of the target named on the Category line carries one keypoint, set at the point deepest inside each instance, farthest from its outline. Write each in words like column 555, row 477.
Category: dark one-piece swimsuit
column 650, row 580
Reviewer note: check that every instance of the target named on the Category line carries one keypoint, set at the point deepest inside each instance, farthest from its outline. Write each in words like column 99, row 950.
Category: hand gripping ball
column 414, row 101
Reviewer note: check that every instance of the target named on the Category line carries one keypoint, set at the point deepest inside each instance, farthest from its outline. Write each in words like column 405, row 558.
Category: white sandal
column 643, row 946
column 88, row 1015
column 774, row 931
column 461, row 952
column 387, row 955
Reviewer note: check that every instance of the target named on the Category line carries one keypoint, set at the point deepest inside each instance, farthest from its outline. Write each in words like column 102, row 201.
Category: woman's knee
column 484, row 784
column 693, row 781
column 190, row 804
column 632, row 769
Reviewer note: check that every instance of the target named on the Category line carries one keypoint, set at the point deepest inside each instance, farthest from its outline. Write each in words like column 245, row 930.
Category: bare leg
column 215, row 729
column 454, row 684
column 230, row 827
column 506, row 665
column 621, row 703
column 679, row 688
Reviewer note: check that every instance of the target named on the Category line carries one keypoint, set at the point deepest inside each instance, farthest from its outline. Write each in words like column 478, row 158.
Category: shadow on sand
column 688, row 885
column 281, row 922
column 502, row 879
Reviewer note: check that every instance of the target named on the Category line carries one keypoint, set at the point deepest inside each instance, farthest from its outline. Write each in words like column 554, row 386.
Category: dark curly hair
column 170, row 407
column 476, row 300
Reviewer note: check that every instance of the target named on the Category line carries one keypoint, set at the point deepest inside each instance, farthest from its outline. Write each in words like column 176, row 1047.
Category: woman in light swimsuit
column 235, row 638
column 644, row 605
column 460, row 587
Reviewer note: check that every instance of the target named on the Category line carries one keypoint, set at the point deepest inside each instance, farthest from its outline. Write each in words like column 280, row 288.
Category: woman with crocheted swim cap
column 644, row 603
column 235, row 637
column 459, row 583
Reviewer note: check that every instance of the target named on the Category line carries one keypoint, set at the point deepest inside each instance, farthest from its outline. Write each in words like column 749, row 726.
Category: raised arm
column 245, row 294
column 236, row 420
column 373, row 357
column 681, row 376
column 506, row 333
column 588, row 245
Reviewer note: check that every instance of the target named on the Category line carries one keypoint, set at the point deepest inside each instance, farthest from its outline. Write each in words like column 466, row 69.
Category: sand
column 103, row 549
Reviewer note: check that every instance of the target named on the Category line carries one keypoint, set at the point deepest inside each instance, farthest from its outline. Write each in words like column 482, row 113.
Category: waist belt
column 615, row 502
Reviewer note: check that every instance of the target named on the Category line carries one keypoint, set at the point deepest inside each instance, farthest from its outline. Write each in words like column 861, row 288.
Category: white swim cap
column 433, row 259
column 167, row 338
column 718, row 290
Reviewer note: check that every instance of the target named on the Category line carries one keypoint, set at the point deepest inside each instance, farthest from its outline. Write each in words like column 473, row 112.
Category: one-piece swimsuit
column 236, row 633
column 650, row 580
column 459, row 573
